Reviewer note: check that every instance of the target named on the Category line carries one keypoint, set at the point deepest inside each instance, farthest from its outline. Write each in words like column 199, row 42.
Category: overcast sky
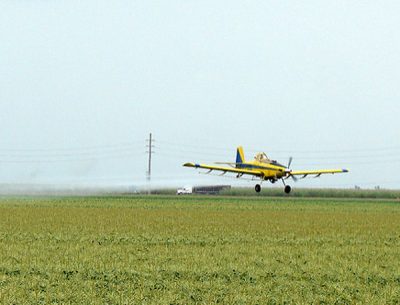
column 82, row 83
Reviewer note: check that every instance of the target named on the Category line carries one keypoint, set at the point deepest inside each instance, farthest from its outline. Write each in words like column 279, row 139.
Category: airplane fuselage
column 266, row 171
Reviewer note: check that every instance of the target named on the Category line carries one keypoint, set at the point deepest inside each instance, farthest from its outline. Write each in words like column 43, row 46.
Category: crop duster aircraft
column 263, row 168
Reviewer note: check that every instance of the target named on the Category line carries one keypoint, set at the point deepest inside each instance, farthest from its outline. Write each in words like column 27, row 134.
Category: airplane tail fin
column 239, row 156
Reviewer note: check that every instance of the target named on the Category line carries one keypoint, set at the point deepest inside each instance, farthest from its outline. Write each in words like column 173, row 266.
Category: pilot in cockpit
column 262, row 157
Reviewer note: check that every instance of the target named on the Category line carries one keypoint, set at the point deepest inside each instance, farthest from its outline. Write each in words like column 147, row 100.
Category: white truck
column 185, row 190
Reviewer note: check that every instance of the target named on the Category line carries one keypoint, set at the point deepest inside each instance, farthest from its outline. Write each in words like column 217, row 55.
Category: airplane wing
column 318, row 173
column 225, row 169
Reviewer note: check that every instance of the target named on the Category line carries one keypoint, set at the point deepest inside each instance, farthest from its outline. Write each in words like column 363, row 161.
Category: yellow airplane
column 263, row 168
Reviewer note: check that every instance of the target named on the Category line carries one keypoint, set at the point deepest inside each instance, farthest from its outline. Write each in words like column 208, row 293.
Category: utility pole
column 150, row 145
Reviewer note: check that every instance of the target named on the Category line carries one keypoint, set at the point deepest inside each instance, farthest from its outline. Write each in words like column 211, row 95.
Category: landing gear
column 287, row 189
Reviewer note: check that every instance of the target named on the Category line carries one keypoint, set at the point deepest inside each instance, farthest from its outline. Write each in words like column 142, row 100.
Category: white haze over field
column 82, row 84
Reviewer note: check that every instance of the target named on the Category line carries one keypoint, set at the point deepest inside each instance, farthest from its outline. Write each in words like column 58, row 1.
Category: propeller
column 290, row 162
column 289, row 170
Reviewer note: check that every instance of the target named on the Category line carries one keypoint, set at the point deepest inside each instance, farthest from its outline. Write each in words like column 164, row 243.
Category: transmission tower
column 150, row 151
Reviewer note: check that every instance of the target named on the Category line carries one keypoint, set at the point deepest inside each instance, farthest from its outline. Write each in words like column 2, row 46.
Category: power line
column 65, row 154
column 81, row 148
column 191, row 149
column 94, row 158
column 290, row 151
column 187, row 152
column 364, row 159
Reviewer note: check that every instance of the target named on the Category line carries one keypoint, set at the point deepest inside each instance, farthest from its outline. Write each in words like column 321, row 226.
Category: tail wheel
column 287, row 189
column 257, row 188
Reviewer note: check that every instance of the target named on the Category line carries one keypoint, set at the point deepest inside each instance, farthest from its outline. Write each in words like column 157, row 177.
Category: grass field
column 199, row 250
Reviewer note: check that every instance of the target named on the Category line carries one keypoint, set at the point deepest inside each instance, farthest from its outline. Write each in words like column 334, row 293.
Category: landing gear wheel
column 257, row 188
column 287, row 189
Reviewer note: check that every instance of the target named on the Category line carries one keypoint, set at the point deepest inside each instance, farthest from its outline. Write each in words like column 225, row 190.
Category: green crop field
column 199, row 250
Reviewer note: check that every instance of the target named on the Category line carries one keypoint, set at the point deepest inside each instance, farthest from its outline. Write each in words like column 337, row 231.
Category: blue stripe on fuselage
column 252, row 166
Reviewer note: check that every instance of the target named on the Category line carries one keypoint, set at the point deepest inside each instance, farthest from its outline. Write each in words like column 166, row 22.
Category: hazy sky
column 82, row 83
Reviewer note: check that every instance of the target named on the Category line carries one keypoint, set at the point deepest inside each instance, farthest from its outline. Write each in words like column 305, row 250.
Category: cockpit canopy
column 262, row 157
